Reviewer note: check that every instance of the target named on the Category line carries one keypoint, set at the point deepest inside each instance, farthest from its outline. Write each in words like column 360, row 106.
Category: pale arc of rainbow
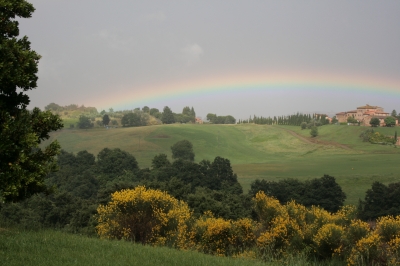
column 256, row 82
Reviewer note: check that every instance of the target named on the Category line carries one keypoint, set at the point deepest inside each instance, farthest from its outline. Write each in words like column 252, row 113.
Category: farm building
column 364, row 114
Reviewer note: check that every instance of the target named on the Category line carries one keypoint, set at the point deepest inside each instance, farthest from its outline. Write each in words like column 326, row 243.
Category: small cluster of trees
column 323, row 192
column 380, row 200
column 390, row 121
column 147, row 116
column 68, row 108
column 214, row 119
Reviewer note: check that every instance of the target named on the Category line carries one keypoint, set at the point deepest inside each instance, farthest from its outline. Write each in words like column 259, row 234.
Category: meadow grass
column 57, row 248
column 257, row 151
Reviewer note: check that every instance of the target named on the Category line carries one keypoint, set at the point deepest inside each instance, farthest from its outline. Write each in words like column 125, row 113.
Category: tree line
column 292, row 120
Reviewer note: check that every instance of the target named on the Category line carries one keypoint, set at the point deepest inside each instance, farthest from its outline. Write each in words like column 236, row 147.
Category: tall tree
column 167, row 116
column 106, row 120
column 23, row 165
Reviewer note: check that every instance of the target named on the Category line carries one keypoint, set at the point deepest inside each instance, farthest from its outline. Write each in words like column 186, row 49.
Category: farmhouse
column 364, row 114
column 198, row 120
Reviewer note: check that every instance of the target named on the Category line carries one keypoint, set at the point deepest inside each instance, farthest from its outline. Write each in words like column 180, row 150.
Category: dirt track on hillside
column 316, row 141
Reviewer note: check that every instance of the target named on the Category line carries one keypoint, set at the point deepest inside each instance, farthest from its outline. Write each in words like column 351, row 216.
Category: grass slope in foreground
column 56, row 248
column 257, row 151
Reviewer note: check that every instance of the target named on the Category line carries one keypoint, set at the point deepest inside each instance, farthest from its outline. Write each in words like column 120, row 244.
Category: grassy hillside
column 257, row 151
column 57, row 248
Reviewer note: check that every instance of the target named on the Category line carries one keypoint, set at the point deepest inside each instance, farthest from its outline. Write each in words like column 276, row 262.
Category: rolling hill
column 257, row 151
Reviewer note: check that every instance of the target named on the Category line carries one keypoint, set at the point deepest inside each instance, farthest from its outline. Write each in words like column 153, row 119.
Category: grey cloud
column 193, row 53
column 158, row 16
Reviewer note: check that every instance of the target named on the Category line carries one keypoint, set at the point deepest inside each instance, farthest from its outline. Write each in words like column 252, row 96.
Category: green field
column 257, row 151
column 56, row 248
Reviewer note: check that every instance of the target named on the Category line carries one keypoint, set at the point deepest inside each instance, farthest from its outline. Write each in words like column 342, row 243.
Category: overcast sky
column 95, row 50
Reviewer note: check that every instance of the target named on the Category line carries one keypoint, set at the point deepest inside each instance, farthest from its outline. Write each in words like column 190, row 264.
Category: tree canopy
column 324, row 192
column 213, row 118
column 390, row 121
column 167, row 116
column 374, row 122
column 23, row 165
column 183, row 150
column 106, row 120
column 84, row 122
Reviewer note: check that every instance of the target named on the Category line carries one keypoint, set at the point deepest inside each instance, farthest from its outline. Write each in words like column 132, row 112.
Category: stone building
column 364, row 114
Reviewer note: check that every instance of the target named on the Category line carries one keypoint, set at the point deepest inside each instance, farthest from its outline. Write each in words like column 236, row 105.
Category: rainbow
column 240, row 84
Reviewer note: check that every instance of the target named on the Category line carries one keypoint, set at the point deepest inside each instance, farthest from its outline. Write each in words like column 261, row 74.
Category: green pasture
column 257, row 151
column 56, row 248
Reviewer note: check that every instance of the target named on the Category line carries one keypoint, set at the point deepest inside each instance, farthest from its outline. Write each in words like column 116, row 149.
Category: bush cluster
column 373, row 137
column 280, row 230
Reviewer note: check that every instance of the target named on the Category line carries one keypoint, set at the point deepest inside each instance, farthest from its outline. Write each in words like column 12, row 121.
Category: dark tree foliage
column 228, row 206
column 183, row 150
column 160, row 161
column 284, row 191
column 374, row 122
column 23, row 164
column 167, row 116
column 188, row 115
column 106, row 120
column 131, row 120
column 294, row 120
column 116, row 162
column 18, row 61
column 380, row 200
column 84, row 122
column 154, row 111
column 323, row 192
column 213, row 118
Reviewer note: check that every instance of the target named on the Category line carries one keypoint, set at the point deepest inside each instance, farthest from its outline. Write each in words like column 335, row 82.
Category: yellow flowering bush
column 315, row 218
column 345, row 215
column 356, row 231
column 245, row 236
column 367, row 251
column 388, row 227
column 143, row 215
column 394, row 251
column 273, row 243
column 267, row 208
column 213, row 235
column 283, row 231
column 328, row 240
column 224, row 237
